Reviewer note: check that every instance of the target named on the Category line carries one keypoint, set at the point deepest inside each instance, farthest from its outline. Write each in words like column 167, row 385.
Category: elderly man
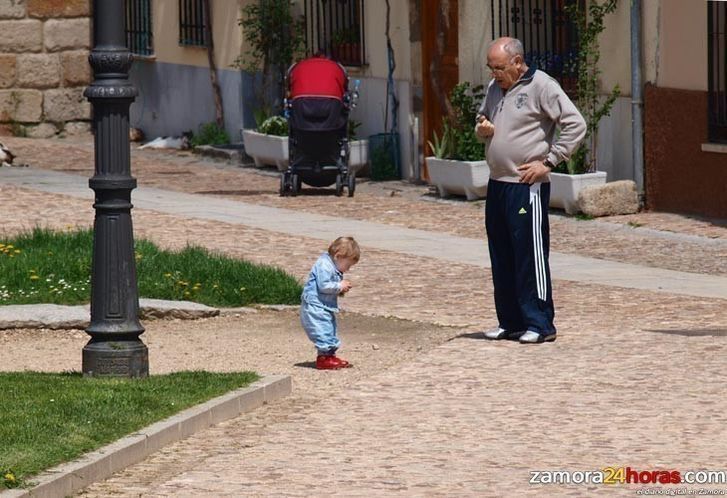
column 530, row 126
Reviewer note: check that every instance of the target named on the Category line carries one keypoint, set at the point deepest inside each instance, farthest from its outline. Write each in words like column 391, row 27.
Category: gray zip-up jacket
column 526, row 119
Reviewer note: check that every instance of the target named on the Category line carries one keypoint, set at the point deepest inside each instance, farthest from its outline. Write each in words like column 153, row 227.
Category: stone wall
column 44, row 47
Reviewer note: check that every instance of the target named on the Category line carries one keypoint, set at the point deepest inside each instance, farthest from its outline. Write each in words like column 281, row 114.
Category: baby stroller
column 317, row 107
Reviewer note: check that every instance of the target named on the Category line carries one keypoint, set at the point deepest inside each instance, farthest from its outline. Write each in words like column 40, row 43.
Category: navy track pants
column 518, row 234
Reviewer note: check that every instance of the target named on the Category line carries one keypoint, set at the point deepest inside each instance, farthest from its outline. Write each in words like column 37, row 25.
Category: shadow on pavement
column 692, row 333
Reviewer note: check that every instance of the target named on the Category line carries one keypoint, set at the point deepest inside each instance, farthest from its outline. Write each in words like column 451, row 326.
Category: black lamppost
column 115, row 348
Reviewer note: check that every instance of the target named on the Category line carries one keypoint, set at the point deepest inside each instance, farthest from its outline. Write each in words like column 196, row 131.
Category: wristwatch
column 549, row 164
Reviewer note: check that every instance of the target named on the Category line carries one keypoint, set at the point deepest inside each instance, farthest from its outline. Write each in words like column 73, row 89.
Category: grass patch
column 583, row 217
column 45, row 266
column 634, row 224
column 47, row 418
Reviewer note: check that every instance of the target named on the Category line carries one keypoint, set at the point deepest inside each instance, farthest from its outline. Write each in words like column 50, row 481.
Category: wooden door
column 440, row 64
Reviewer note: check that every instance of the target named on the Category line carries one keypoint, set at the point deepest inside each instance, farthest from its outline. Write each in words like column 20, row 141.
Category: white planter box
column 271, row 149
column 266, row 149
column 564, row 188
column 358, row 155
column 468, row 178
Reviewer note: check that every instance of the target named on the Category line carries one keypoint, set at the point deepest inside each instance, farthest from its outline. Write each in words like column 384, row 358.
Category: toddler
column 319, row 301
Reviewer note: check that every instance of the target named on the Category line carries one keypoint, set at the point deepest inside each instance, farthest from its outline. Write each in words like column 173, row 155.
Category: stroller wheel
column 295, row 183
column 339, row 185
column 351, row 183
column 283, row 189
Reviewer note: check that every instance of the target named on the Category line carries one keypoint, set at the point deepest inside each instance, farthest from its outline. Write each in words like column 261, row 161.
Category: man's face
column 505, row 68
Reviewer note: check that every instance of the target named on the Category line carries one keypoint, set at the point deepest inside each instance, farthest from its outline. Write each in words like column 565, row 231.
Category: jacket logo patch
column 521, row 99
column 522, row 211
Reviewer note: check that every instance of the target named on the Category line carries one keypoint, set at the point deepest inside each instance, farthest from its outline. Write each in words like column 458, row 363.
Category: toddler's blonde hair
column 345, row 247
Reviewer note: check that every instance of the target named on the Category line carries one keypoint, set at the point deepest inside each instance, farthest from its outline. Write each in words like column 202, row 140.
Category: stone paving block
column 620, row 197
column 25, row 106
column 39, row 70
column 8, row 74
column 42, row 130
column 58, row 8
column 66, row 104
column 21, row 36
column 12, row 9
column 75, row 68
column 66, row 34
column 92, row 468
column 278, row 388
column 127, row 451
column 225, row 408
column 161, row 434
column 76, row 128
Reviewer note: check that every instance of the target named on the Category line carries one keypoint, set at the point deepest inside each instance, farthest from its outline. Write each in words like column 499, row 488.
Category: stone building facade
column 44, row 69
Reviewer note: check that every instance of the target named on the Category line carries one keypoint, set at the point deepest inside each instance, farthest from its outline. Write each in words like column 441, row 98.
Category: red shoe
column 331, row 363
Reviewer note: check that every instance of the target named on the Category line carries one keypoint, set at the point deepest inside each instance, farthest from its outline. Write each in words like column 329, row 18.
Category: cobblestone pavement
column 635, row 379
column 622, row 238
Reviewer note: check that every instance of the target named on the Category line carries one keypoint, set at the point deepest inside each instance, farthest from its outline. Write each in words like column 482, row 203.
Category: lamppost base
column 115, row 359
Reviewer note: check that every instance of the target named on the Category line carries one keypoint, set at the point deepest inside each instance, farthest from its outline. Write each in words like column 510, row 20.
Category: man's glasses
column 499, row 69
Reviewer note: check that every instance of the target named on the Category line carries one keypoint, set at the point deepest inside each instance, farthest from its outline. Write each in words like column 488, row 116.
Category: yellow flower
column 9, row 246
column 10, row 477
column 2, row 245
column 186, row 293
column 34, row 277
column 17, row 251
column 167, row 275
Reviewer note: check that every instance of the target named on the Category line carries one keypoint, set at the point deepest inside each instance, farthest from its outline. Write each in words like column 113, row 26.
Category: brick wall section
column 44, row 66
column 680, row 177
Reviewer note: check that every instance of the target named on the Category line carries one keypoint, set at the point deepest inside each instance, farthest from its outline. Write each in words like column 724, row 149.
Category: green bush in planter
column 275, row 125
column 458, row 140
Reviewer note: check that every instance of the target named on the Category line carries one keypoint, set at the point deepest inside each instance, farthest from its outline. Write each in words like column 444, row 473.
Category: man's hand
column 484, row 128
column 533, row 172
column 345, row 286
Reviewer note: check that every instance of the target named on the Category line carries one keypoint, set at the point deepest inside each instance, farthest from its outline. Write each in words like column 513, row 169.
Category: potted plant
column 458, row 165
column 357, row 149
column 581, row 171
column 274, row 38
column 269, row 143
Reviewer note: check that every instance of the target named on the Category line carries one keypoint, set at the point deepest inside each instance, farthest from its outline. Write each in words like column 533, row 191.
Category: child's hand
column 345, row 286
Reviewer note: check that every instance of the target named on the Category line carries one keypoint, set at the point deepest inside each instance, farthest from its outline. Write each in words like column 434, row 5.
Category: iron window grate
column 139, row 37
column 548, row 35
column 336, row 28
column 192, row 23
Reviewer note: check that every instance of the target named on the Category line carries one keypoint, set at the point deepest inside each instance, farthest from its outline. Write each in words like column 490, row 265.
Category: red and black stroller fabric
column 318, row 104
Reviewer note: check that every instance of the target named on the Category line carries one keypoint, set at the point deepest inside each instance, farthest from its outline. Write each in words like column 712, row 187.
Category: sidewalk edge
column 70, row 477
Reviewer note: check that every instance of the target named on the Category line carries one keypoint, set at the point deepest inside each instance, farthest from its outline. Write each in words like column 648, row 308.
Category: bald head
column 505, row 59
column 510, row 46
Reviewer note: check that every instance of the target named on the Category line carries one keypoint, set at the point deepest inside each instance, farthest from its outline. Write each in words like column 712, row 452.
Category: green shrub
column 458, row 139
column 210, row 134
column 275, row 125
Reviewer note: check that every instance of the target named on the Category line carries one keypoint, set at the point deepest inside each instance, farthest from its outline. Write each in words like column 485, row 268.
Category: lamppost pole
column 115, row 348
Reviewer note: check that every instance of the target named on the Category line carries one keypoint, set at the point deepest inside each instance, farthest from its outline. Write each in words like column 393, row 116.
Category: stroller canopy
column 317, row 77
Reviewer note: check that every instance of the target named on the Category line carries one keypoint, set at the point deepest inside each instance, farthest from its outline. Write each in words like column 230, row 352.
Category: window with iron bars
column 139, row 39
column 717, row 71
column 336, row 28
column 548, row 36
column 192, row 23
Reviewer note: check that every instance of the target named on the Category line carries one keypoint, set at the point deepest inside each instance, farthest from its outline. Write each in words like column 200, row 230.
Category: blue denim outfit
column 319, row 303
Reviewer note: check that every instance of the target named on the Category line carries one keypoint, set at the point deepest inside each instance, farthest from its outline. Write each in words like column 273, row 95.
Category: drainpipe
column 637, row 103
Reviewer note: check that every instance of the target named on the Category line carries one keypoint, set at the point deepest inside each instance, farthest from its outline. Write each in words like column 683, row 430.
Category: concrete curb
column 68, row 478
